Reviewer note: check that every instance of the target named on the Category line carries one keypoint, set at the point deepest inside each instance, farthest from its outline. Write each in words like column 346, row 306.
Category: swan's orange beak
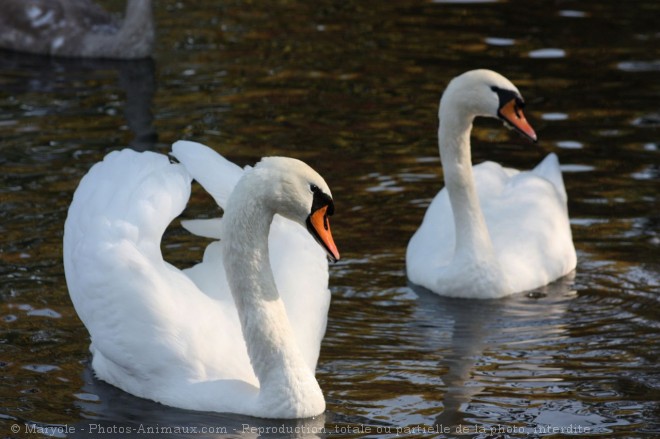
column 512, row 113
column 318, row 225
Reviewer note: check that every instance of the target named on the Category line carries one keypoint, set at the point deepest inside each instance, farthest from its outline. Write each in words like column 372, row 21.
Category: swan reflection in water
column 74, row 81
column 487, row 344
column 109, row 410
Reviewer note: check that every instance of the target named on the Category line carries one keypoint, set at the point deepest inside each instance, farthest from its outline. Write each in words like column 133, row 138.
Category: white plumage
column 491, row 231
column 175, row 336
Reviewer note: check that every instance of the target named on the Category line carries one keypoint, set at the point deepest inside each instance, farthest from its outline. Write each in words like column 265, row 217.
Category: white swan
column 492, row 231
column 239, row 332
column 77, row 28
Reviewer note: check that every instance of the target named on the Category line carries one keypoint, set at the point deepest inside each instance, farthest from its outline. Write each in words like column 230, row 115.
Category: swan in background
column 492, row 231
column 77, row 28
column 239, row 332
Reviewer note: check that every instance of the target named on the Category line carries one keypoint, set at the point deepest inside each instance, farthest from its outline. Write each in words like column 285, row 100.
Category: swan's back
column 527, row 219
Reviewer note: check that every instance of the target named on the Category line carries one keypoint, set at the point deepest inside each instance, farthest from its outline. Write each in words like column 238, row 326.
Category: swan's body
column 492, row 231
column 178, row 337
column 76, row 28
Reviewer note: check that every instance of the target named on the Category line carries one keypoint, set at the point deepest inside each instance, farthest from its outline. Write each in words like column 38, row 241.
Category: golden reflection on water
column 353, row 89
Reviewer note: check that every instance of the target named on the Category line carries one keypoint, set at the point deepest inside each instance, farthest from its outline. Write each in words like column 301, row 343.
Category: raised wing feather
column 216, row 174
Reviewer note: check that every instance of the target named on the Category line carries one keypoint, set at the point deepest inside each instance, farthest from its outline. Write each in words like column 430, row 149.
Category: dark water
column 352, row 88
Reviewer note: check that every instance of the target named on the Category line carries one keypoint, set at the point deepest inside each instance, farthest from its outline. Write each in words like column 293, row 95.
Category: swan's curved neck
column 472, row 238
column 285, row 378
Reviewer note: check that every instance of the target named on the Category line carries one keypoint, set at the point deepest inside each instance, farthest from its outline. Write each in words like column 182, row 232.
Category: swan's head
column 300, row 194
column 487, row 93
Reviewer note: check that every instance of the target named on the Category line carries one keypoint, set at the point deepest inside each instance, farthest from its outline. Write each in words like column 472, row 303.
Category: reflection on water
column 107, row 410
column 352, row 88
column 94, row 82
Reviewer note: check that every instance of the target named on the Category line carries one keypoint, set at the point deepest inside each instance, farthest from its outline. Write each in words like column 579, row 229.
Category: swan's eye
column 518, row 107
column 506, row 96
column 321, row 199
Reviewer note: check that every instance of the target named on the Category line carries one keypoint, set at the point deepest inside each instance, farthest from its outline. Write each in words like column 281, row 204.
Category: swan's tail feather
column 216, row 174
column 550, row 170
column 207, row 228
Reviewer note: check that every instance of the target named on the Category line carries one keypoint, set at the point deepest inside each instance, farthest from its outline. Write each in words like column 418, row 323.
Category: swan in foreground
column 77, row 28
column 240, row 332
column 492, row 231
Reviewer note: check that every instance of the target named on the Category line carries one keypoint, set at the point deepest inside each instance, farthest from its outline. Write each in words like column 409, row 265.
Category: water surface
column 352, row 88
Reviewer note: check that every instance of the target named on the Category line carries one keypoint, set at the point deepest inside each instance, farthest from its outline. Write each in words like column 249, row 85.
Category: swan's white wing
column 151, row 327
column 528, row 223
column 432, row 245
column 216, row 174
column 299, row 264
column 111, row 248
column 121, row 206
column 550, row 170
